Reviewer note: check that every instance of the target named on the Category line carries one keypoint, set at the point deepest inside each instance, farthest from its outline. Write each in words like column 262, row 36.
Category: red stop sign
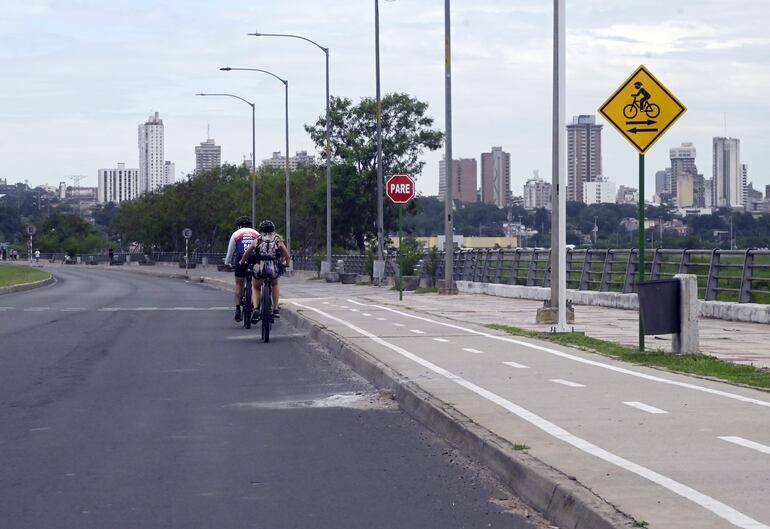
column 400, row 188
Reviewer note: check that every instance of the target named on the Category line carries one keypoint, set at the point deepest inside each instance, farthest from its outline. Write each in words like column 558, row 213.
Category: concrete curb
column 28, row 286
column 560, row 498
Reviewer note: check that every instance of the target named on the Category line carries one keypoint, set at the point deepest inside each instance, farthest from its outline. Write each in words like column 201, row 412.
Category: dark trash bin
column 660, row 305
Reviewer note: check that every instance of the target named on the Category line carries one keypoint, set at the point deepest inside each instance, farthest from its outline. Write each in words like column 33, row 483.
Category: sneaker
column 238, row 314
column 255, row 317
column 277, row 311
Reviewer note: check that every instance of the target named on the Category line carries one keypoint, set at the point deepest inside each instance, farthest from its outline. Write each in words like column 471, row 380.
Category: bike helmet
column 243, row 222
column 638, row 84
column 266, row 226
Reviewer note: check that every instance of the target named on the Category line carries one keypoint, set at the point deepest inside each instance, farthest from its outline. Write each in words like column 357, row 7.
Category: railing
column 741, row 276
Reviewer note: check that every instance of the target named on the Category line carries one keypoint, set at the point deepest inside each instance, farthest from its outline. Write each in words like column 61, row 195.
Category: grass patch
column 520, row 446
column 693, row 364
column 426, row 290
column 17, row 275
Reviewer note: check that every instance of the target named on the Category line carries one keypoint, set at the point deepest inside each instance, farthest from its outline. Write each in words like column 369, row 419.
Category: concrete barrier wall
column 721, row 310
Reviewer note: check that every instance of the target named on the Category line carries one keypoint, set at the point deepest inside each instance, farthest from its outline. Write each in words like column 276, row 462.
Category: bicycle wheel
column 267, row 310
column 248, row 306
column 630, row 111
column 652, row 111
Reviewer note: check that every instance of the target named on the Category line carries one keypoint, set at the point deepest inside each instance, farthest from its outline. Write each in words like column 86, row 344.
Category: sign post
column 642, row 110
column 400, row 190
column 31, row 230
column 186, row 233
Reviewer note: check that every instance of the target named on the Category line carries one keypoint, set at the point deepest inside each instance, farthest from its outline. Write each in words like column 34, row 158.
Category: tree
column 70, row 234
column 406, row 134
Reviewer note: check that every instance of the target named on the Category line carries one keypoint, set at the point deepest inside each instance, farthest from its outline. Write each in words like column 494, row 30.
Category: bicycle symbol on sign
column 641, row 103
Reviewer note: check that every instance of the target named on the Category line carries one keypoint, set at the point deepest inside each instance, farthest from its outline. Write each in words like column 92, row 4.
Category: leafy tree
column 70, row 234
column 406, row 134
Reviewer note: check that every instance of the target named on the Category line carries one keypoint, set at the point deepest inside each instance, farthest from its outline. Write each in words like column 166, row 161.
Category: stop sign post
column 400, row 190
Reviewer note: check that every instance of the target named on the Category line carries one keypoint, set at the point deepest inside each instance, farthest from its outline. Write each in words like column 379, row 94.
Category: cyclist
column 267, row 246
column 643, row 94
column 241, row 239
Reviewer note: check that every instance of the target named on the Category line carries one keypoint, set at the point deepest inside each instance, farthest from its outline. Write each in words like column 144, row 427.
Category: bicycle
column 631, row 110
column 246, row 300
column 265, row 312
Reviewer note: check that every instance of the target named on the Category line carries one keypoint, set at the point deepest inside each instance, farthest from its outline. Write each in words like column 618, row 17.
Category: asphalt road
column 130, row 401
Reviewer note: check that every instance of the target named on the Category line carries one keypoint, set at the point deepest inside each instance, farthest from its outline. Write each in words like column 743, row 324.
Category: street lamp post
column 253, row 149
column 288, row 172
column 328, row 144
column 448, row 227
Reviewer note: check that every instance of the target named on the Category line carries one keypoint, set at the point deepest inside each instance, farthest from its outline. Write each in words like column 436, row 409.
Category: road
column 130, row 401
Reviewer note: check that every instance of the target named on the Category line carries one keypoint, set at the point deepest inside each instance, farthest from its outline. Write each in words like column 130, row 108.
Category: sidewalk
column 742, row 343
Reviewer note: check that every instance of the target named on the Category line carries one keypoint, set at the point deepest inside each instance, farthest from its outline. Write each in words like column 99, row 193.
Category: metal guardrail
column 741, row 276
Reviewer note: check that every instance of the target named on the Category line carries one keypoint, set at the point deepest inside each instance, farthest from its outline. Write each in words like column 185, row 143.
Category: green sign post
column 642, row 110
column 400, row 190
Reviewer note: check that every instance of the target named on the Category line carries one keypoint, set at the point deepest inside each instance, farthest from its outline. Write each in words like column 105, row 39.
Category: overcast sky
column 80, row 75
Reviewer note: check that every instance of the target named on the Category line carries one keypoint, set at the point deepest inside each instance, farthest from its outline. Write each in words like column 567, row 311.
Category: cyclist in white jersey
column 267, row 246
column 241, row 239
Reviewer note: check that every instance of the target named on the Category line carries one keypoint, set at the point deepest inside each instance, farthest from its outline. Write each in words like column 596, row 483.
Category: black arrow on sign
column 648, row 122
column 635, row 130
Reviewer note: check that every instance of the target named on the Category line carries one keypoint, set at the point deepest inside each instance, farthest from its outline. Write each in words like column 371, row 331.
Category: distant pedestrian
column 112, row 254
column 37, row 256
column 14, row 255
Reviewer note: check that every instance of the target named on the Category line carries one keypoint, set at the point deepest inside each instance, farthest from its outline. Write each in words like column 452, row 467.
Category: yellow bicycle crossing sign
column 642, row 109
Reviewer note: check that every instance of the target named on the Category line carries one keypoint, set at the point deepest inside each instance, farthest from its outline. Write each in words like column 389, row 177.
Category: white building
column 300, row 159
column 117, row 185
column 169, row 173
column 537, row 193
column 728, row 175
column 600, row 191
column 152, row 171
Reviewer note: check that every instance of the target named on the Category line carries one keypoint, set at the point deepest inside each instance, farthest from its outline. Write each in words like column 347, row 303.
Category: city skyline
column 97, row 85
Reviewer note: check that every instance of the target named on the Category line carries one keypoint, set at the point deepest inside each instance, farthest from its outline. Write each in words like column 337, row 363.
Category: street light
column 286, row 109
column 448, row 227
column 328, row 144
column 253, row 149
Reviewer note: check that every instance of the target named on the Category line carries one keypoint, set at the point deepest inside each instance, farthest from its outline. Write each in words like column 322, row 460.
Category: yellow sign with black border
column 642, row 109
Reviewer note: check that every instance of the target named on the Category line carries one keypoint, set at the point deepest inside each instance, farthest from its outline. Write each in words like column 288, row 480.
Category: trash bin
column 660, row 306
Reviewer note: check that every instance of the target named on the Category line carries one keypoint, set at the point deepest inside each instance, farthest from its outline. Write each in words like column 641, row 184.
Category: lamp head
column 200, row 94
column 225, row 69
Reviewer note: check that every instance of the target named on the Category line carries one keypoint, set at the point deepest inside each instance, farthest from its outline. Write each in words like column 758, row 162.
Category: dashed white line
column 644, row 407
column 747, row 444
column 366, row 314
column 516, row 365
column 472, row 350
column 417, row 331
column 353, row 310
column 566, row 383
column 441, row 340
column 399, row 325
column 36, row 309
column 380, row 319
column 713, row 505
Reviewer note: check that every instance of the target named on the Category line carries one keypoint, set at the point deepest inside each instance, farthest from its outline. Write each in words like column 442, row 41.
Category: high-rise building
column 464, row 176
column 745, row 182
column 682, row 163
column 496, row 177
column 663, row 182
column 117, row 185
column 537, row 193
column 169, row 173
column 600, row 191
column 300, row 159
column 208, row 156
column 152, row 173
column 728, row 176
column 584, row 155
column 627, row 195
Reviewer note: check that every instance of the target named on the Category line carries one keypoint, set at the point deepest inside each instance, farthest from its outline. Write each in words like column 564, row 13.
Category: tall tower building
column 584, row 155
column 745, row 183
column 728, row 177
column 208, row 156
column 537, row 193
column 169, row 173
column 496, row 177
column 117, row 185
column 464, row 175
column 152, row 172
column 682, row 163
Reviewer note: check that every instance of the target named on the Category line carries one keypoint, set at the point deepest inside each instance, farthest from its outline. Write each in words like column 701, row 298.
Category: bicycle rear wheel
column 248, row 307
column 267, row 310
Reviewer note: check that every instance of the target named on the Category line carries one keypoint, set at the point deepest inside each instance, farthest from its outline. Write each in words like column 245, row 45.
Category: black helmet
column 243, row 222
column 266, row 226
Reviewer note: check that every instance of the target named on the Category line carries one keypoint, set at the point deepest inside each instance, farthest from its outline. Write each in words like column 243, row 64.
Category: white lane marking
column 344, row 306
column 707, row 502
column 399, row 325
column 566, row 383
column 417, row 331
column 442, row 340
column 366, row 314
column 644, row 407
column 72, row 309
column 6, row 308
column 594, row 363
column 36, row 309
column 326, row 302
column 516, row 365
column 380, row 319
column 748, row 444
column 472, row 350
column 353, row 310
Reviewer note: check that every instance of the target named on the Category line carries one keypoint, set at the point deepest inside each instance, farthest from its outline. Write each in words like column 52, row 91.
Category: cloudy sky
column 78, row 76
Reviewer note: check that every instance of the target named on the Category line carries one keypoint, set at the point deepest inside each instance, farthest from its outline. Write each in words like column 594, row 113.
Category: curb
column 560, row 498
column 28, row 286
